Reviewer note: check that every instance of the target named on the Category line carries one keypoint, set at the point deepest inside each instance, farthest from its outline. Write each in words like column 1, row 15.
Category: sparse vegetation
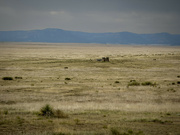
column 48, row 111
column 5, row 112
column 60, row 114
column 158, row 121
column 133, row 83
column 148, row 84
column 172, row 90
column 98, row 97
column 18, row 77
column 60, row 133
column 114, row 131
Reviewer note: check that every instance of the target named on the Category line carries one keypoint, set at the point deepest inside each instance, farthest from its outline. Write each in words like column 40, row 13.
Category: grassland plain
column 137, row 92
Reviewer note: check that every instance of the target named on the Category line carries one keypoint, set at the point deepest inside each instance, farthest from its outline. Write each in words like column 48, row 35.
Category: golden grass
column 92, row 97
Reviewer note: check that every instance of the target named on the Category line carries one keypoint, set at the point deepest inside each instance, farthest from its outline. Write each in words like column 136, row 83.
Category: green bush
column 7, row 78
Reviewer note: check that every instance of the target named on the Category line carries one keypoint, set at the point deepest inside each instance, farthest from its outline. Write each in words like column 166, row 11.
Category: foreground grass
column 90, row 122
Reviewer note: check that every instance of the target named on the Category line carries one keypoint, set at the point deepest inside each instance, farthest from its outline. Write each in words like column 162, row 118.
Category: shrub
column 7, row 78
column 133, row 83
column 47, row 111
column 178, row 82
column 148, row 83
column 116, row 82
column 67, row 78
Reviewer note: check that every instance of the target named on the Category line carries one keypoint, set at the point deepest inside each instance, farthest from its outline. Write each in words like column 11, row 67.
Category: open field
column 137, row 92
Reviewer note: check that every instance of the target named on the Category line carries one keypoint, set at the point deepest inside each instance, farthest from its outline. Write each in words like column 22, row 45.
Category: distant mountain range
column 53, row 35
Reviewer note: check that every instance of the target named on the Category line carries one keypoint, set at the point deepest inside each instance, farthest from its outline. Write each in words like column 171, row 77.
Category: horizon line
column 88, row 32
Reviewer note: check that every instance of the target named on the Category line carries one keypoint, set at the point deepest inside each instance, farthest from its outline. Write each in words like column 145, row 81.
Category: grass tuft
column 114, row 131
column 60, row 114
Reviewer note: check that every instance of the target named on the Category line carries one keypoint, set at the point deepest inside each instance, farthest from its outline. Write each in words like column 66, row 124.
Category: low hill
column 53, row 35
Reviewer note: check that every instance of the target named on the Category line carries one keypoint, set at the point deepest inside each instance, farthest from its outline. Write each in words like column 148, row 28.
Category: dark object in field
column 116, row 82
column 104, row 59
column 178, row 82
column 65, row 67
column 18, row 77
column 67, row 78
column 7, row 78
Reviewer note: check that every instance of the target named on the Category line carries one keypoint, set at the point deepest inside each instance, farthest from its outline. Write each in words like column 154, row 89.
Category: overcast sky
column 139, row 16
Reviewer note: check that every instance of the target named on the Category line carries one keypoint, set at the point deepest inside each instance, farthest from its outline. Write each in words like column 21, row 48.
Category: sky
column 97, row 16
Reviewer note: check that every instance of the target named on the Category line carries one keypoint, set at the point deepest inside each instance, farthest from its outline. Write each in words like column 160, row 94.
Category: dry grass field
column 136, row 93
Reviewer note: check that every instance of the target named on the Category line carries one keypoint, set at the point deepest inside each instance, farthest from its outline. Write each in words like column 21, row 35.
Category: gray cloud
column 138, row 16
